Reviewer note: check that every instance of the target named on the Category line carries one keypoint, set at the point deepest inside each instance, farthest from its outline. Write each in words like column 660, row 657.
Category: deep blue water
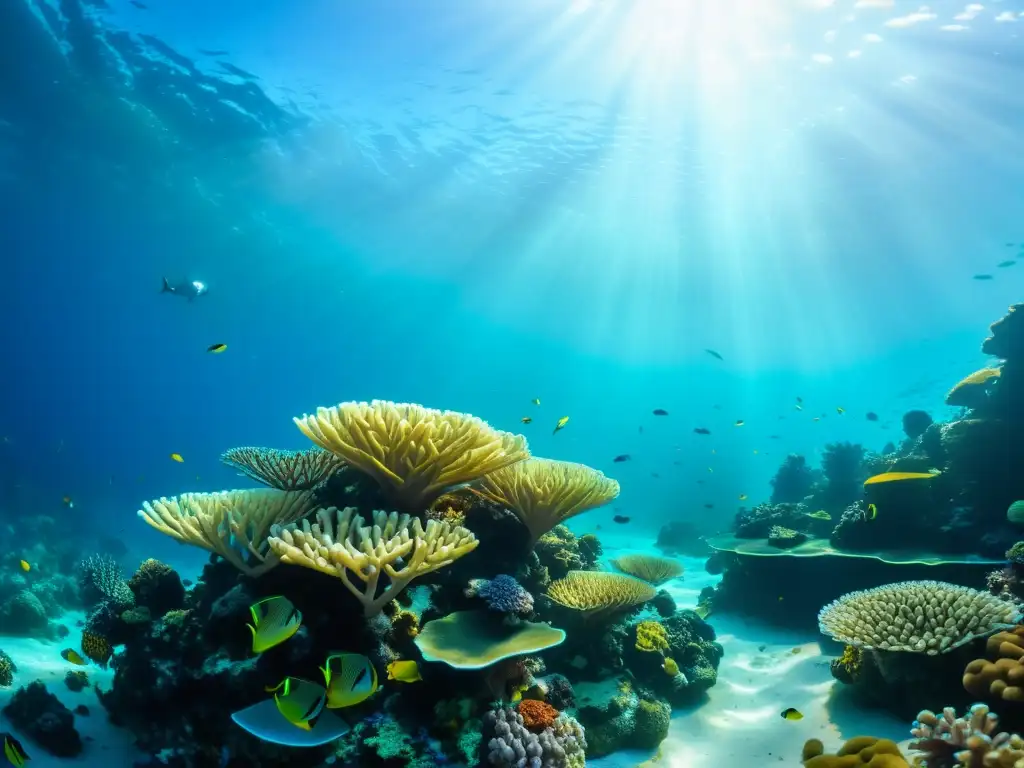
column 472, row 204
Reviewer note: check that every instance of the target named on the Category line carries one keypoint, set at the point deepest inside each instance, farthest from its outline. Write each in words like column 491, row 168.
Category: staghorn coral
column 339, row 543
column 502, row 593
column 594, row 593
column 99, row 577
column 945, row 740
column 651, row 568
column 537, row 715
column 651, row 637
column 545, row 492
column 917, row 616
column 414, row 453
column 858, row 752
column 232, row 524
column 283, row 470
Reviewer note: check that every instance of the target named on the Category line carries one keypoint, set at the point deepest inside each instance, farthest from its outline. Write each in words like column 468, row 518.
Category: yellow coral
column 651, row 636
column 544, row 492
column 339, row 542
column 650, row 568
column 405, row 624
column 965, row 393
column 232, row 524
column 596, row 592
column 284, row 470
column 413, row 452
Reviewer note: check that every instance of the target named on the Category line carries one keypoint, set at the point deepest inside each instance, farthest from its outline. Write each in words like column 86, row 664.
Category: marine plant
column 339, row 543
column 414, row 453
column 651, row 568
column 231, row 524
column 545, row 492
column 284, row 470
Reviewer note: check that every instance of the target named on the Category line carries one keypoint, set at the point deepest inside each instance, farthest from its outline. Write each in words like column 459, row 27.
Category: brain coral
column 929, row 617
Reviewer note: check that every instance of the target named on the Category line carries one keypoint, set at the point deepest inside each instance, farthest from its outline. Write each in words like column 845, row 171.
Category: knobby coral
column 502, row 593
column 597, row 592
column 1003, row 676
column 232, row 524
column 929, row 617
column 651, row 568
column 284, row 470
column 544, row 492
column 864, row 751
column 339, row 542
column 414, row 453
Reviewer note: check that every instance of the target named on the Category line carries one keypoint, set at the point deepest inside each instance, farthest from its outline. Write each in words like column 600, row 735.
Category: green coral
column 651, row 637
column 560, row 551
column 7, row 670
column 1015, row 554
column 652, row 721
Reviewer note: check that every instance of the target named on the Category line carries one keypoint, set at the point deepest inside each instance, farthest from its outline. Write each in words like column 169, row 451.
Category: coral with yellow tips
column 651, row 637
column 596, row 592
column 405, row 624
column 970, row 391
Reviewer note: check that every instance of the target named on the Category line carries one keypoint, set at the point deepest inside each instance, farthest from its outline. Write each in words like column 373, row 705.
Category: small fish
column 68, row 502
column 840, row 411
column 1007, row 263
column 300, row 701
column 190, row 289
column 709, row 506
column 792, row 714
column 526, row 419
column 655, row 475
column 14, row 752
column 714, row 354
column 73, row 657
column 795, row 651
column 799, row 399
column 274, row 620
column 871, row 416
column 25, row 566
column 561, row 423
column 710, row 469
column 821, row 514
column 701, row 431
column 216, row 349
column 816, row 418
column 621, row 458
column 982, row 277
column 536, row 401
column 660, row 412
column 177, row 457
column 893, row 477
column 798, row 407
column 743, row 497
column 872, row 512
column 740, row 422
column 404, row 671
column 774, row 437
column 621, row 519
column 351, row 679
column 137, row 4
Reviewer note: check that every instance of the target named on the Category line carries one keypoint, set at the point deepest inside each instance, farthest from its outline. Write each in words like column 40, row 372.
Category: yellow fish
column 536, row 401
column 526, row 419
column 25, row 566
column 73, row 657
column 14, row 752
column 561, row 423
column 792, row 714
column 872, row 512
column 891, row 477
column 404, row 671
column 351, row 679
column 274, row 620
column 740, row 422
column 216, row 349
column 300, row 701
column 177, row 457
column 840, row 411
column 743, row 497
column 821, row 514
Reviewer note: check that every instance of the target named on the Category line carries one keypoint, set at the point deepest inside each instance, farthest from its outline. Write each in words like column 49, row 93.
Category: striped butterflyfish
column 300, row 701
column 274, row 620
column 351, row 678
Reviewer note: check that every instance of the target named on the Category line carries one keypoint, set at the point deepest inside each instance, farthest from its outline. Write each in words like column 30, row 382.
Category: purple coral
column 502, row 593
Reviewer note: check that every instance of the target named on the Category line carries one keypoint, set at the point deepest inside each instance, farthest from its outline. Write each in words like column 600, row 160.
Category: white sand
column 38, row 660
column 760, row 676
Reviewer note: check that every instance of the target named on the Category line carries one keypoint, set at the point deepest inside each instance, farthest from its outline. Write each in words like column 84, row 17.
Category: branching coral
column 100, row 574
column 544, row 492
column 339, row 542
column 651, row 568
column 945, row 740
column 414, row 453
column 284, row 470
column 929, row 617
column 596, row 592
column 232, row 524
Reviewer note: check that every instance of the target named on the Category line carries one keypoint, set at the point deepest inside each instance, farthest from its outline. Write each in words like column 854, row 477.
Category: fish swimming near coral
column 740, row 422
column 300, row 701
column 561, row 424
column 895, row 477
column 714, row 354
column 526, row 419
column 701, row 431
column 216, row 349
column 178, row 458
column 351, row 679
column 621, row 458
column 25, row 566
column 190, row 289
column 743, row 497
column 792, row 714
column 536, row 401
column 14, row 752
column 871, row 513
column 274, row 620
column 621, row 519
column 983, row 277
column 73, row 657
column 840, row 411
column 1007, row 263
column 404, row 671
column 871, row 416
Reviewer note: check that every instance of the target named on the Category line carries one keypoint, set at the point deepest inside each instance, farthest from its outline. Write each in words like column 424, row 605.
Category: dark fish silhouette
column 660, row 412
column 983, row 277
column 621, row 519
column 190, row 289
column 701, row 431
column 137, row 4
column 872, row 416
column 207, row 52
column 1007, row 263
column 621, row 458
column 709, row 506
column 774, row 437
column 714, row 354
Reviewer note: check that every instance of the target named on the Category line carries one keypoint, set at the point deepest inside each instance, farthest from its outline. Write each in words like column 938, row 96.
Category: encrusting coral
column 929, row 617
column 284, row 470
column 651, row 568
column 594, row 593
column 545, row 492
column 414, row 453
column 858, row 752
column 1003, row 677
column 339, row 542
column 232, row 524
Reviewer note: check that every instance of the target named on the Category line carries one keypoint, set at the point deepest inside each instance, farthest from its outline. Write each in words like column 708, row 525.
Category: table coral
column 651, row 568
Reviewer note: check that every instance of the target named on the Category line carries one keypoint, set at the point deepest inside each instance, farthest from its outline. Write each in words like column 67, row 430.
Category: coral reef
column 503, row 594
column 37, row 713
column 7, row 670
column 793, row 481
column 284, row 470
column 596, row 593
column 508, row 742
column 653, row 570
